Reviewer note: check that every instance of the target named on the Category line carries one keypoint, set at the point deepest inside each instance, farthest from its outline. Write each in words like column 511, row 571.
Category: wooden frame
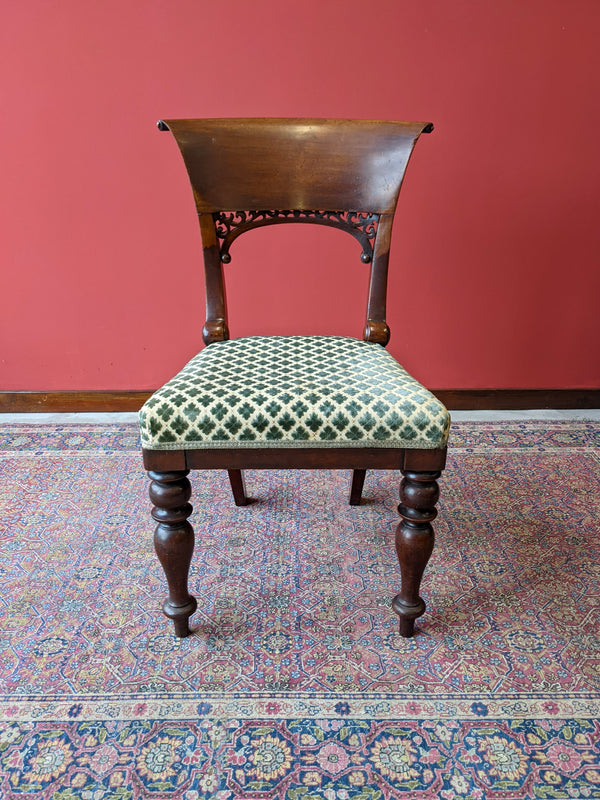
column 247, row 173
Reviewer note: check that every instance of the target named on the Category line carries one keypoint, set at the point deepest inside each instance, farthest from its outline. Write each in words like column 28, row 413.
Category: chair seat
column 293, row 391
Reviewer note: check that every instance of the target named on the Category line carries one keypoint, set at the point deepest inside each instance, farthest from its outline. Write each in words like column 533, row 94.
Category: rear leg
column 358, row 481
column 238, row 487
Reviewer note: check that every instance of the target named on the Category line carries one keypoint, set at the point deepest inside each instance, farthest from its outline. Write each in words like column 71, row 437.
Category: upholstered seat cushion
column 293, row 391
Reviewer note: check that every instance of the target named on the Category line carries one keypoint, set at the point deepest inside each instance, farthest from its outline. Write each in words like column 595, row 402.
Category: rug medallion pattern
column 295, row 684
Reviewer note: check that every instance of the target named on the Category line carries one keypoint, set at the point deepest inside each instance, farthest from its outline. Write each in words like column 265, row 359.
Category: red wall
column 495, row 259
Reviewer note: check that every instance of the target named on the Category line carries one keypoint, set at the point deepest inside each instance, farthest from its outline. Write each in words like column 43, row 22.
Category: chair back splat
column 247, row 173
column 302, row 402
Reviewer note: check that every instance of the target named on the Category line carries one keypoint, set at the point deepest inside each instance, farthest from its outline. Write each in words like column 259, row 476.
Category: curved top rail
column 334, row 164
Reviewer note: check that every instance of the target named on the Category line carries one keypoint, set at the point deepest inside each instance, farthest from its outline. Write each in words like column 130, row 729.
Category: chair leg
column 419, row 493
column 174, row 542
column 238, row 487
column 358, row 481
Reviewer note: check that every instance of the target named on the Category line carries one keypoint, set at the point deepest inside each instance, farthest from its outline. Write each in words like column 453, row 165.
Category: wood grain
column 464, row 399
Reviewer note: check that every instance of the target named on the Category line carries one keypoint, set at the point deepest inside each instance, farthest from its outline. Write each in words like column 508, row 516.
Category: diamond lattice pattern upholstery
column 293, row 391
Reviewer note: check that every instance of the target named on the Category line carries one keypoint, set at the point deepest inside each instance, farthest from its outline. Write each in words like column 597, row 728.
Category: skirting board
column 72, row 402
column 454, row 399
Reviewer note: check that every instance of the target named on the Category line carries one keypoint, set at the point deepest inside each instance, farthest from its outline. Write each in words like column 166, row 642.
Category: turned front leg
column 174, row 542
column 419, row 493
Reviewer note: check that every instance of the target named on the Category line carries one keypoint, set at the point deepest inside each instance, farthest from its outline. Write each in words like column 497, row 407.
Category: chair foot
column 358, row 481
column 174, row 542
column 407, row 615
column 180, row 616
column 419, row 493
column 238, row 487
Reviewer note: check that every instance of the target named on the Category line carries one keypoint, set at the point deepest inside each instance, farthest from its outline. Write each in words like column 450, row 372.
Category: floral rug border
column 540, row 435
column 277, row 706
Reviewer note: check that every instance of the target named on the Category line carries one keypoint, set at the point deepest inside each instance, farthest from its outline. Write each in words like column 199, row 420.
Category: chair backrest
column 247, row 173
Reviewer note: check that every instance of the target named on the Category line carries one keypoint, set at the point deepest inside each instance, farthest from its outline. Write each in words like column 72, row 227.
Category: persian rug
column 295, row 684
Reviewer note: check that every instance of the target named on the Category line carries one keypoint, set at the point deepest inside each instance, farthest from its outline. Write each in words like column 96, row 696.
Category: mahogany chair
column 305, row 402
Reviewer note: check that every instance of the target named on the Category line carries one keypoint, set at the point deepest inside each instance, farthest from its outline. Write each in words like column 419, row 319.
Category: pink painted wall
column 495, row 259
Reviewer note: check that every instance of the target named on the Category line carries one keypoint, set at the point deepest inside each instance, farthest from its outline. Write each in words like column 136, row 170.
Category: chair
column 305, row 402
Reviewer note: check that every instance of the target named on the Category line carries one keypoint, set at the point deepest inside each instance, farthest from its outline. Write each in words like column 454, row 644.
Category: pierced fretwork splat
column 231, row 224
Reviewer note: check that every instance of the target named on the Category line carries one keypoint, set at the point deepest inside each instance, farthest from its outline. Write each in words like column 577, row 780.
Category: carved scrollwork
column 361, row 225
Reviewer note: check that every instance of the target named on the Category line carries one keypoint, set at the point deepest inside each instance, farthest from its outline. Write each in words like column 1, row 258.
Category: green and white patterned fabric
column 293, row 391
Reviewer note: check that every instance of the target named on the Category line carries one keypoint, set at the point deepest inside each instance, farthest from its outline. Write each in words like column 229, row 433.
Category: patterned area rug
column 295, row 683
